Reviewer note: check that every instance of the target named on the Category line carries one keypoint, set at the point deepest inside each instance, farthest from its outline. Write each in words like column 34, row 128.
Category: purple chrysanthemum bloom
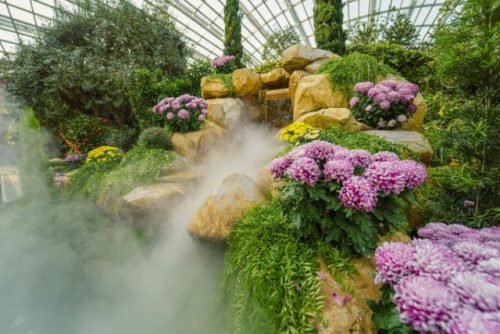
column 411, row 87
column 380, row 97
column 479, row 290
column 175, row 105
column 471, row 252
column 354, row 101
column 319, row 150
column 156, row 108
column 386, row 177
column 490, row 233
column 435, row 260
column 342, row 153
column 413, row 173
column 170, row 116
column 406, row 95
column 470, row 321
column 393, row 97
column 363, row 87
column 360, row 158
column 434, row 231
column 338, row 170
column 373, row 92
column 385, row 105
column 204, row 111
column 425, row 304
column 381, row 124
column 191, row 105
column 296, row 153
column 183, row 114
column 278, row 167
column 412, row 108
column 490, row 267
column 393, row 259
column 358, row 193
column 162, row 108
column 458, row 229
column 402, row 118
column 368, row 108
column 384, row 88
column 389, row 83
column 384, row 156
column 304, row 170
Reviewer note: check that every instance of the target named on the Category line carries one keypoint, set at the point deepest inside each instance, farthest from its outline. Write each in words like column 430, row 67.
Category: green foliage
column 278, row 42
column 193, row 74
column 270, row 278
column 364, row 32
column 140, row 166
column 467, row 50
column 85, row 132
column 413, row 64
column 328, row 21
column 401, row 31
column 232, row 31
column 156, row 138
column 226, row 79
column 355, row 67
column 85, row 60
column 360, row 140
column 385, row 314
column 267, row 66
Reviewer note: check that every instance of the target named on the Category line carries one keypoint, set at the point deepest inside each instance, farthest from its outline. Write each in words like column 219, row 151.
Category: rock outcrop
column 195, row 144
column 212, row 88
column 226, row 112
column 245, row 82
column 333, row 117
column 299, row 56
column 275, row 78
column 315, row 92
column 414, row 141
column 230, row 200
column 294, row 82
column 315, row 65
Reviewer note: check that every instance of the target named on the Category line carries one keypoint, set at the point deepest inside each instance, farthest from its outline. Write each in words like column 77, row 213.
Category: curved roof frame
column 201, row 21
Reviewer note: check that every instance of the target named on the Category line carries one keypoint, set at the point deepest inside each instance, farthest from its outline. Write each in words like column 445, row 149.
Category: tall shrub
column 84, row 61
column 328, row 20
column 232, row 32
column 401, row 31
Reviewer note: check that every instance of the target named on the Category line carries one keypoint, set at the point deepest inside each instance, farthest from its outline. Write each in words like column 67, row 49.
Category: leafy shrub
column 85, row 61
column 184, row 113
column 442, row 281
column 104, row 155
column 345, row 197
column 156, row 138
column 140, row 166
column 387, row 104
column 83, row 133
column 412, row 63
column 267, row 66
column 355, row 67
column 271, row 280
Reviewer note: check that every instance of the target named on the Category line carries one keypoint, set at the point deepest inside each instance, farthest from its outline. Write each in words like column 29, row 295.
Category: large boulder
column 294, row 82
column 275, row 78
column 226, row 112
column 230, row 200
column 315, row 65
column 245, row 82
column 354, row 316
column 416, row 120
column 315, row 92
column 333, row 117
column 299, row 56
column 413, row 140
column 195, row 144
column 212, row 88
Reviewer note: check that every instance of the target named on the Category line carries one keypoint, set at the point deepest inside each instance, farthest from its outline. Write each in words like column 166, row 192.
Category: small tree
column 279, row 41
column 328, row 20
column 401, row 31
column 232, row 32
column 364, row 32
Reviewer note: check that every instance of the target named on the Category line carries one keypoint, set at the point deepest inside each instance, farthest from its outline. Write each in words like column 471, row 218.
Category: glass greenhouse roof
column 201, row 21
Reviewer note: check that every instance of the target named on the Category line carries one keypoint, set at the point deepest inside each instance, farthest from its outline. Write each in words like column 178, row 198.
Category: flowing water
column 66, row 269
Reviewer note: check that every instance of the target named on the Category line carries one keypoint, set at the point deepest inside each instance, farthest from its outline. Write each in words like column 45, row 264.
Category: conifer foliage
column 232, row 33
column 328, row 19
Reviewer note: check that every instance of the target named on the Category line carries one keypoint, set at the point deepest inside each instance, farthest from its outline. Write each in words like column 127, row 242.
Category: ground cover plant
column 444, row 281
column 388, row 104
column 184, row 113
column 346, row 197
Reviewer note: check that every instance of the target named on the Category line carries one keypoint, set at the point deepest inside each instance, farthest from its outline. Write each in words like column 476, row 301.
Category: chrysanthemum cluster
column 184, row 113
column 296, row 131
column 362, row 177
column 388, row 104
column 221, row 63
column 446, row 282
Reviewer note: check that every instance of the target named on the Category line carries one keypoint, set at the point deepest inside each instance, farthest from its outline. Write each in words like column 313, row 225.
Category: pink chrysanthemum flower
column 384, row 156
column 319, row 150
column 338, row 170
column 479, row 290
column 363, row 87
column 304, row 170
column 471, row 321
column 471, row 252
column 386, row 177
column 358, row 193
column 414, row 173
column 393, row 262
column 278, row 167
